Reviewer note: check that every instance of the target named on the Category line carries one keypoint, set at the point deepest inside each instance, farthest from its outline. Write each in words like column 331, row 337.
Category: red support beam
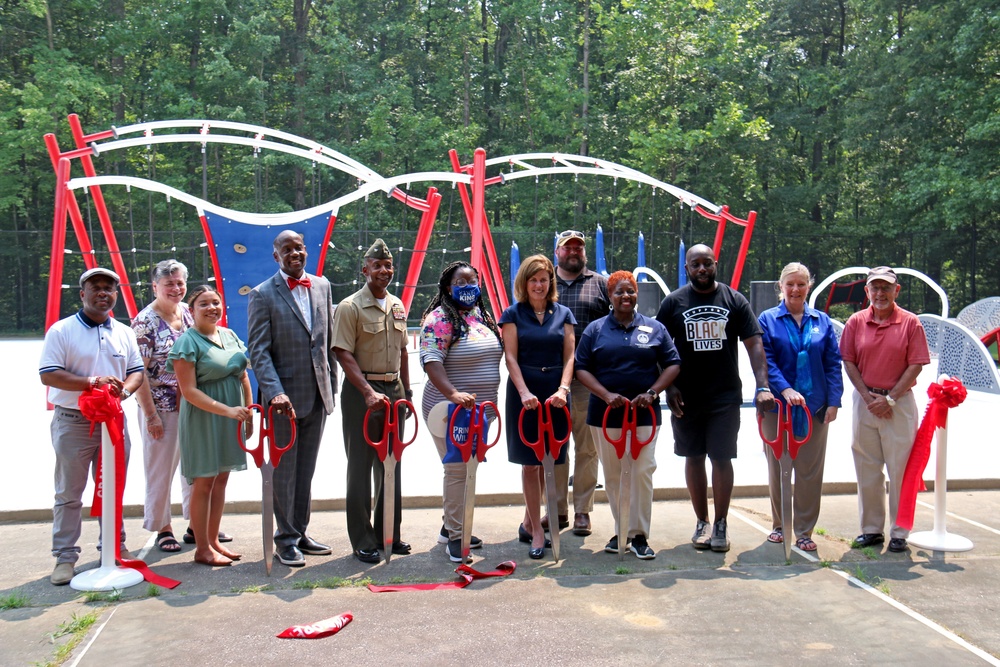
column 58, row 246
column 420, row 248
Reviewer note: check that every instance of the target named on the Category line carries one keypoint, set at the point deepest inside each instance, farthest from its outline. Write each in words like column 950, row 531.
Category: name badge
column 397, row 312
column 643, row 327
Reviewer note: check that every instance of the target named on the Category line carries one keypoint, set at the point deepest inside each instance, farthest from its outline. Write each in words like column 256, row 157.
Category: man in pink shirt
column 884, row 349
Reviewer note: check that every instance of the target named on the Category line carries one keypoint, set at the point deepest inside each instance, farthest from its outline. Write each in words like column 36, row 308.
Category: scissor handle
column 256, row 452
column 390, row 430
column 544, row 427
column 465, row 447
column 274, row 451
column 479, row 420
column 630, row 424
column 785, row 428
column 381, row 445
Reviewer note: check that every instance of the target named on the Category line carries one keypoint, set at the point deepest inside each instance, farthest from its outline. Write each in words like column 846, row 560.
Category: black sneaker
column 641, row 549
column 612, row 546
column 720, row 536
column 454, row 551
column 474, row 542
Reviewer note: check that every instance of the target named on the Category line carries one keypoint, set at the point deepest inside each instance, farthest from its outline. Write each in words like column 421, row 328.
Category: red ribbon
column 99, row 405
column 466, row 576
column 319, row 629
column 949, row 394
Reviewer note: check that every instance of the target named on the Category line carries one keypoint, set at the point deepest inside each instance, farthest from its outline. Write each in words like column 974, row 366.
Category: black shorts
column 713, row 432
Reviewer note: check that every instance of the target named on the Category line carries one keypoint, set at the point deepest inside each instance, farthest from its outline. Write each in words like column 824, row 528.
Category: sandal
column 805, row 544
column 167, row 542
column 189, row 537
column 776, row 536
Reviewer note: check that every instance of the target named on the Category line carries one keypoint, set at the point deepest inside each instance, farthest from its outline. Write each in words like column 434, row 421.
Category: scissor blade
column 470, row 505
column 624, row 502
column 787, row 531
column 388, row 504
column 551, row 503
column 267, row 513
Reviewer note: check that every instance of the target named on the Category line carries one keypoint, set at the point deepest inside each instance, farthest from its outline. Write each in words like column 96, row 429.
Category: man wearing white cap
column 88, row 349
column 884, row 349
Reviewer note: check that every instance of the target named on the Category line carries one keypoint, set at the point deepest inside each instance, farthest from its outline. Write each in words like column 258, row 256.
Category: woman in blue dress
column 210, row 363
column 538, row 348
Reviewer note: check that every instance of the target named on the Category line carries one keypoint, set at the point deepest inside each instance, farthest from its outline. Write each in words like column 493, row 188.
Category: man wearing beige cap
column 85, row 350
column 884, row 349
column 369, row 337
column 585, row 293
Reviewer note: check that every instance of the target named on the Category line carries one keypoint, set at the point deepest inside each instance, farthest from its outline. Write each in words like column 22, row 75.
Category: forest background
column 862, row 133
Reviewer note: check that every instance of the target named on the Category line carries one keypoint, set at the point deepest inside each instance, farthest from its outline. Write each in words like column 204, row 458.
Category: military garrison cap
column 379, row 250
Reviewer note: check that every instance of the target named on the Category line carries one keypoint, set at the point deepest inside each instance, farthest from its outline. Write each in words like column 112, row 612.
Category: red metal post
column 420, row 247
column 326, row 243
column 214, row 256
column 102, row 215
column 58, row 246
column 744, row 247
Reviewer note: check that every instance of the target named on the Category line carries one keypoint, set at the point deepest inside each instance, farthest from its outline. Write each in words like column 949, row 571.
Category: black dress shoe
column 367, row 555
column 867, row 540
column 522, row 534
column 897, row 544
column 536, row 554
column 400, row 548
column 308, row 545
column 290, row 556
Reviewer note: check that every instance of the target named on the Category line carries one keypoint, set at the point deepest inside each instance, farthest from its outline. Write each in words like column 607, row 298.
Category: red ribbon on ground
column 99, row 405
column 949, row 394
column 466, row 576
column 319, row 629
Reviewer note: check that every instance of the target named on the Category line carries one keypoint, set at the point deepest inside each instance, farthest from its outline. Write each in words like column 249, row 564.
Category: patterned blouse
column 155, row 339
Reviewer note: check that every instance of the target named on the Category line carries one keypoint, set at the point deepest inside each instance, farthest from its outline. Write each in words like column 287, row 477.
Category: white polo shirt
column 83, row 347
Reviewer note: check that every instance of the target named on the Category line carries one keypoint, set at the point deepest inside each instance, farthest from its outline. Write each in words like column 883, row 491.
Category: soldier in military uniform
column 369, row 337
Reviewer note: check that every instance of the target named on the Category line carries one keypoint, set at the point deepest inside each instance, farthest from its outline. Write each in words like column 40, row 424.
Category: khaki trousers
column 160, row 458
column 807, row 477
column 641, row 494
column 882, row 444
column 585, row 459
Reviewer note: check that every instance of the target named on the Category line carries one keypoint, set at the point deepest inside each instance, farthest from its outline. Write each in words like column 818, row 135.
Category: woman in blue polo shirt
column 622, row 358
column 803, row 366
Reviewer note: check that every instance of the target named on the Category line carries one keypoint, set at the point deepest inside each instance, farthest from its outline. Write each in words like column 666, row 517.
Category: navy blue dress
column 540, row 357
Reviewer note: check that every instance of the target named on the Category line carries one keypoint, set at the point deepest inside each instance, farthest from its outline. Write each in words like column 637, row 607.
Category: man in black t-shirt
column 706, row 320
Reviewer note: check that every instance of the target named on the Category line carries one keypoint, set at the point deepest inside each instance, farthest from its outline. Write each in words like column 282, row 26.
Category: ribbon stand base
column 940, row 539
column 108, row 576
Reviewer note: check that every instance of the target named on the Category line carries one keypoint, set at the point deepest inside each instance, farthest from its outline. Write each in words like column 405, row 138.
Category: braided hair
column 451, row 310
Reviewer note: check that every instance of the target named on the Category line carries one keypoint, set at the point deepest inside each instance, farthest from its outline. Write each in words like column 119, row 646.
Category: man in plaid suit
column 289, row 336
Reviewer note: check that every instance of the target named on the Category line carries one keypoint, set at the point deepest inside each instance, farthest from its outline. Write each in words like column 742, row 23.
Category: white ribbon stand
column 940, row 539
column 108, row 576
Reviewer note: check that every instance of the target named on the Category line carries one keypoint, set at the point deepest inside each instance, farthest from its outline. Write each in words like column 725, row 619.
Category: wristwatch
column 652, row 392
column 890, row 400
column 125, row 393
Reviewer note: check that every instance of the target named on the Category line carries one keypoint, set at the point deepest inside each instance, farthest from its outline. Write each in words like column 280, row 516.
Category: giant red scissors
column 390, row 449
column 547, row 455
column 627, row 447
column 785, row 447
column 475, row 439
column 265, row 435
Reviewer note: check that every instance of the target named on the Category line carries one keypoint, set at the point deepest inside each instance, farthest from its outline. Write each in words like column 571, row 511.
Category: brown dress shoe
column 581, row 523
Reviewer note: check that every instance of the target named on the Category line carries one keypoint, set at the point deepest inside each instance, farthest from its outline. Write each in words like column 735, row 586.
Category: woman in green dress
column 211, row 367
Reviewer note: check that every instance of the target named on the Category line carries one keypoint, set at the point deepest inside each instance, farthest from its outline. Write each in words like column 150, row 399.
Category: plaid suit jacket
column 286, row 358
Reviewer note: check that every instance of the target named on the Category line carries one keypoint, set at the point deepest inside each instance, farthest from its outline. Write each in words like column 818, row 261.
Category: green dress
column 208, row 441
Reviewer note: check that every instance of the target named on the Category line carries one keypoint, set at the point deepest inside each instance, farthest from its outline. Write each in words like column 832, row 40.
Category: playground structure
column 237, row 241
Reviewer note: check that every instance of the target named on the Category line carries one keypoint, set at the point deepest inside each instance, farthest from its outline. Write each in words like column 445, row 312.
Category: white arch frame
column 853, row 270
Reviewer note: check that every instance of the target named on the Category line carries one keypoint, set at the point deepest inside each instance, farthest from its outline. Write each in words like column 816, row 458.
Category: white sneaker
column 702, row 538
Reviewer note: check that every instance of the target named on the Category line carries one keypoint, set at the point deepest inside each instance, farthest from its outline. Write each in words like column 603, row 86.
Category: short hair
column 530, row 267
column 167, row 268
column 619, row 276
column 198, row 291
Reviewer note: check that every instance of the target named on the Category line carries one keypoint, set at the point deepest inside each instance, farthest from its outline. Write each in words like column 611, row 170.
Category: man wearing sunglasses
column 585, row 293
column 884, row 348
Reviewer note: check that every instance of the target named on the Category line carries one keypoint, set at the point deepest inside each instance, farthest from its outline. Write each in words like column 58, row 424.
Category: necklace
column 539, row 312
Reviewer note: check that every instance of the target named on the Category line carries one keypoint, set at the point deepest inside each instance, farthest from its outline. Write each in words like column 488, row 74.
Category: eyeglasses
column 571, row 234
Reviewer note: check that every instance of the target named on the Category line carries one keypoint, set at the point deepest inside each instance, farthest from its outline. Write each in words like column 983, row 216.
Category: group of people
column 573, row 341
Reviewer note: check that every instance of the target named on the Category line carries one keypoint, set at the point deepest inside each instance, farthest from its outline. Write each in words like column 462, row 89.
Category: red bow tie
column 293, row 283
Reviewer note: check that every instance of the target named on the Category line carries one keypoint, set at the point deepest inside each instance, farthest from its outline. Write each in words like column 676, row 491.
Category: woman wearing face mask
column 460, row 350
column 803, row 365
